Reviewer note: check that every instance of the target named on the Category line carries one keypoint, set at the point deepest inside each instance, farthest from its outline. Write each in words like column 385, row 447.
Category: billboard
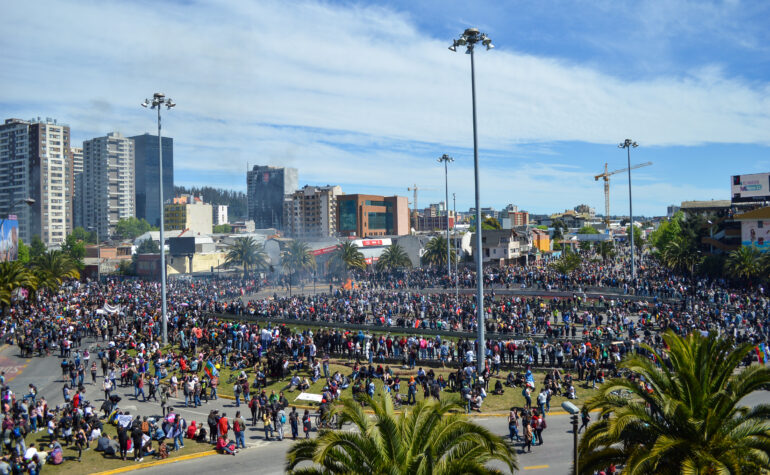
column 756, row 233
column 753, row 187
column 9, row 239
column 181, row 246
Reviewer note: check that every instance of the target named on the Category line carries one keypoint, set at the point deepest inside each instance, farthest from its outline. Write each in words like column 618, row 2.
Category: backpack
column 283, row 418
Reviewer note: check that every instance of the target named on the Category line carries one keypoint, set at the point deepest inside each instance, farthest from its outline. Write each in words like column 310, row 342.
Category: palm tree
column 394, row 257
column 568, row 262
column 687, row 419
column 54, row 267
column 297, row 258
column 346, row 257
column 249, row 254
column 434, row 437
column 435, row 252
column 13, row 275
column 680, row 254
column 744, row 263
column 605, row 249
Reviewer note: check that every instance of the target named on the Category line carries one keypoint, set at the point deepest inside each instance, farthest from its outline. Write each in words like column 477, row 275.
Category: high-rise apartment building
column 372, row 215
column 147, row 175
column 76, row 188
column 266, row 188
column 311, row 212
column 108, row 181
column 35, row 163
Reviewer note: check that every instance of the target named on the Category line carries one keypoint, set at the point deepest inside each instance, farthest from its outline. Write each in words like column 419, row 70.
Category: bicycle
column 332, row 422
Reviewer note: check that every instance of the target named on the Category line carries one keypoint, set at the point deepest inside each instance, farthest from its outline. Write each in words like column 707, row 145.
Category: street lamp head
column 170, row 103
column 628, row 143
column 159, row 96
column 145, row 103
column 469, row 38
column 445, row 158
column 29, row 201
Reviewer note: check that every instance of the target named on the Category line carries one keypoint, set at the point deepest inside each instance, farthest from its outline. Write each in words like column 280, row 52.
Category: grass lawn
column 93, row 461
column 493, row 403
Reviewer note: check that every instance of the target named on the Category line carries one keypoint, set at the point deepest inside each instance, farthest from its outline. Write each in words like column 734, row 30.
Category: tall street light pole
column 447, row 159
column 469, row 38
column 628, row 144
column 457, row 253
column 159, row 100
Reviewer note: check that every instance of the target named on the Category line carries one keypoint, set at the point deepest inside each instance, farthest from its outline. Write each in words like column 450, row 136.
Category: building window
column 347, row 216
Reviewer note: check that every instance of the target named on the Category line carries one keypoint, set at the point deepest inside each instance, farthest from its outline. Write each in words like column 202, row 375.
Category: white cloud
column 351, row 94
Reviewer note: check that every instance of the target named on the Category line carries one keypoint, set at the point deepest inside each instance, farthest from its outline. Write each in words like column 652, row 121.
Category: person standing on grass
column 123, row 441
column 136, row 439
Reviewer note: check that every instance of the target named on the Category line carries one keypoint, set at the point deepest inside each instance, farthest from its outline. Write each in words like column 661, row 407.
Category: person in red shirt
column 223, row 425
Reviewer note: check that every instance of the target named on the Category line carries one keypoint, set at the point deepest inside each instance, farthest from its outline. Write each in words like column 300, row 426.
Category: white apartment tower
column 311, row 212
column 108, row 183
column 35, row 163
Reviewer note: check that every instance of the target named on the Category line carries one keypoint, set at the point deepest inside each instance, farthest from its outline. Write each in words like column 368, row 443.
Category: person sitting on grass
column 498, row 391
column 295, row 382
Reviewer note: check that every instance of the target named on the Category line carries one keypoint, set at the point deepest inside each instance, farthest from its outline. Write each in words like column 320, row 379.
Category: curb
column 139, row 466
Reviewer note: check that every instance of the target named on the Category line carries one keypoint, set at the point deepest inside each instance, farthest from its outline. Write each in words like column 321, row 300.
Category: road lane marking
column 536, row 467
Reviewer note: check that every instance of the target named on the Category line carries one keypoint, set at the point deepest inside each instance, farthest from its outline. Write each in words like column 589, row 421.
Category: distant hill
column 236, row 200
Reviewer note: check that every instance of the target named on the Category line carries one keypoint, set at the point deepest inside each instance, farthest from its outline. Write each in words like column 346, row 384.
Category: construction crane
column 414, row 206
column 415, row 209
column 606, row 175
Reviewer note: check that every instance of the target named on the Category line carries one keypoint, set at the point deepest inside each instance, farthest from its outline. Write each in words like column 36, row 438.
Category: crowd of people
column 214, row 324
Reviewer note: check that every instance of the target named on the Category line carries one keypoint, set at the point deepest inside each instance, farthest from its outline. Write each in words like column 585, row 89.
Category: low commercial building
column 755, row 228
column 189, row 213
column 372, row 215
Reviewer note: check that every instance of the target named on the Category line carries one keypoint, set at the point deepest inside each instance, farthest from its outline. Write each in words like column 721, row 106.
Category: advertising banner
column 753, row 187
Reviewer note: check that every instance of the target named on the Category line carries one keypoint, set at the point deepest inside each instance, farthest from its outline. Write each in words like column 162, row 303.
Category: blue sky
column 366, row 95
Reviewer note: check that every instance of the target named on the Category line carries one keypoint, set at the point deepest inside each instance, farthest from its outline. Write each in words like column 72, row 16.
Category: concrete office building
column 108, row 183
column 189, row 213
column 311, row 212
column 372, row 215
column 35, row 163
column 147, row 175
column 266, row 188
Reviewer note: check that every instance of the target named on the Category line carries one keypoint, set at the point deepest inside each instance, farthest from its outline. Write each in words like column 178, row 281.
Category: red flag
column 417, row 323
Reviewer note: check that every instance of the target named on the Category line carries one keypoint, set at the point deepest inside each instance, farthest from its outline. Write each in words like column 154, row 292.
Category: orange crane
column 606, row 175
